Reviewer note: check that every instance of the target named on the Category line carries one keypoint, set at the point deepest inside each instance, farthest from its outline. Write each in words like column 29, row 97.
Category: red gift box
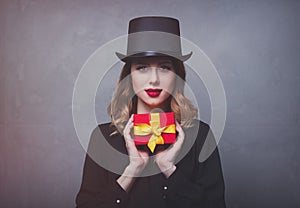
column 154, row 128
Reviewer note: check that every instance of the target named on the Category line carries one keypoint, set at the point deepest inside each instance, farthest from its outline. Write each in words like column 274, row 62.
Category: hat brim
column 126, row 58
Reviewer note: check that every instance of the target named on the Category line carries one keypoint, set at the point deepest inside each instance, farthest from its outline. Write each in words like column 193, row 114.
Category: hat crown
column 153, row 36
column 154, row 23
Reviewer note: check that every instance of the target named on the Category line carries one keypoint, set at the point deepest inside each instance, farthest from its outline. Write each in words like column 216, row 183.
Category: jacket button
column 165, row 187
column 118, row 201
column 164, row 196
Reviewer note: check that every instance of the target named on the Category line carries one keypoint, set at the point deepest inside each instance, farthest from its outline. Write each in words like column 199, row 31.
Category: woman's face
column 153, row 81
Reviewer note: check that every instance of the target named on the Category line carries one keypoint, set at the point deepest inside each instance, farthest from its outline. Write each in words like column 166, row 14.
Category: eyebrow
column 165, row 62
column 160, row 62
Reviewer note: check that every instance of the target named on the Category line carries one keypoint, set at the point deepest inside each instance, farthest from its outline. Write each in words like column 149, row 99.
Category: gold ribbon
column 154, row 129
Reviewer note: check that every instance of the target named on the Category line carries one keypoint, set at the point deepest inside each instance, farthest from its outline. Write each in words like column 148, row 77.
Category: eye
column 165, row 68
column 142, row 68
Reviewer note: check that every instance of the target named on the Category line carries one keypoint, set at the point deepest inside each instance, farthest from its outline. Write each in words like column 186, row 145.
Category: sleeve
column 99, row 187
column 204, row 189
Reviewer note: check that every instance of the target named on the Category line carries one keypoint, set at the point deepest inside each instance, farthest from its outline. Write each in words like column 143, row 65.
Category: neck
column 143, row 108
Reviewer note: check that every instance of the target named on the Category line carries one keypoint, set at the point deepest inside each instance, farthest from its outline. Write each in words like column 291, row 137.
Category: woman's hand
column 138, row 158
column 166, row 158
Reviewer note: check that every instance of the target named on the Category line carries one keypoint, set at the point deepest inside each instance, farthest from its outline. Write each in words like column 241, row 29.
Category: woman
column 151, row 80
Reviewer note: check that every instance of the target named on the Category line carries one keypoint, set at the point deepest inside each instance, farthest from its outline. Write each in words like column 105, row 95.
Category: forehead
column 152, row 60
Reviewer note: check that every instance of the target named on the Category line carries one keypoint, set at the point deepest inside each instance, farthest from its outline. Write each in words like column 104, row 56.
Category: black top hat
column 153, row 36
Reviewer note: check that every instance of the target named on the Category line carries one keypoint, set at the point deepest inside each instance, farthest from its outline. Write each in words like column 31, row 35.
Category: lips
column 153, row 92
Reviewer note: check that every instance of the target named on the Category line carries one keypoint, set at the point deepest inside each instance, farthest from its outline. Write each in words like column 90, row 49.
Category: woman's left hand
column 166, row 158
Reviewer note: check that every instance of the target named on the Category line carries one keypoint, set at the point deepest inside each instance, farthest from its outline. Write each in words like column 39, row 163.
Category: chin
column 154, row 105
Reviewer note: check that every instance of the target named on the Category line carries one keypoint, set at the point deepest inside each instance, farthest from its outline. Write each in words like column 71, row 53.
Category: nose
column 154, row 78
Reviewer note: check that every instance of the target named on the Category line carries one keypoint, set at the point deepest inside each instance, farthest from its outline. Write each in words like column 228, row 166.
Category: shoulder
column 203, row 127
column 105, row 129
column 199, row 129
column 103, row 132
column 206, row 142
column 199, row 134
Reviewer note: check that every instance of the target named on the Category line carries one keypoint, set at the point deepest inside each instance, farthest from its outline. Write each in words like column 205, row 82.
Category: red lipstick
column 153, row 92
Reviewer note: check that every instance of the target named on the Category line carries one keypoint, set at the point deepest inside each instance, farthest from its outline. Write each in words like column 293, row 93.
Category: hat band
column 153, row 41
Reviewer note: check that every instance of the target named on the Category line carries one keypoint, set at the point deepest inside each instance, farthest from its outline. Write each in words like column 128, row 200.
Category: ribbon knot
column 154, row 129
column 156, row 132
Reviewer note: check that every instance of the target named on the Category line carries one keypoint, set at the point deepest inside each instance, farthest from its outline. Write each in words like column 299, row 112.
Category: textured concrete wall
column 254, row 45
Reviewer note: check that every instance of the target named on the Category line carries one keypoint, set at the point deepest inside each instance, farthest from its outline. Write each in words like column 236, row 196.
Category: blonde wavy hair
column 124, row 101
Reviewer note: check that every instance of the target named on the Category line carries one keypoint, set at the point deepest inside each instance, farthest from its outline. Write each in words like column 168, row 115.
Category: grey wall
column 254, row 45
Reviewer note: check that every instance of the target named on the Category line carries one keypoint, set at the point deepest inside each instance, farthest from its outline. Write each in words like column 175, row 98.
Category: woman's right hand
column 138, row 159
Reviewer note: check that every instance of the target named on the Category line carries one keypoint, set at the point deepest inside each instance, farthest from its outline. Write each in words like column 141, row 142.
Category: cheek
column 133, row 81
column 137, row 83
column 170, row 83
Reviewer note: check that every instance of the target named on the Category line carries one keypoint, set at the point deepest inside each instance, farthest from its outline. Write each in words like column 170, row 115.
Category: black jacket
column 193, row 184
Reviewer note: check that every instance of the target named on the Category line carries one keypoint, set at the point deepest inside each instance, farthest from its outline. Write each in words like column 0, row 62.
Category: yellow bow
column 154, row 129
